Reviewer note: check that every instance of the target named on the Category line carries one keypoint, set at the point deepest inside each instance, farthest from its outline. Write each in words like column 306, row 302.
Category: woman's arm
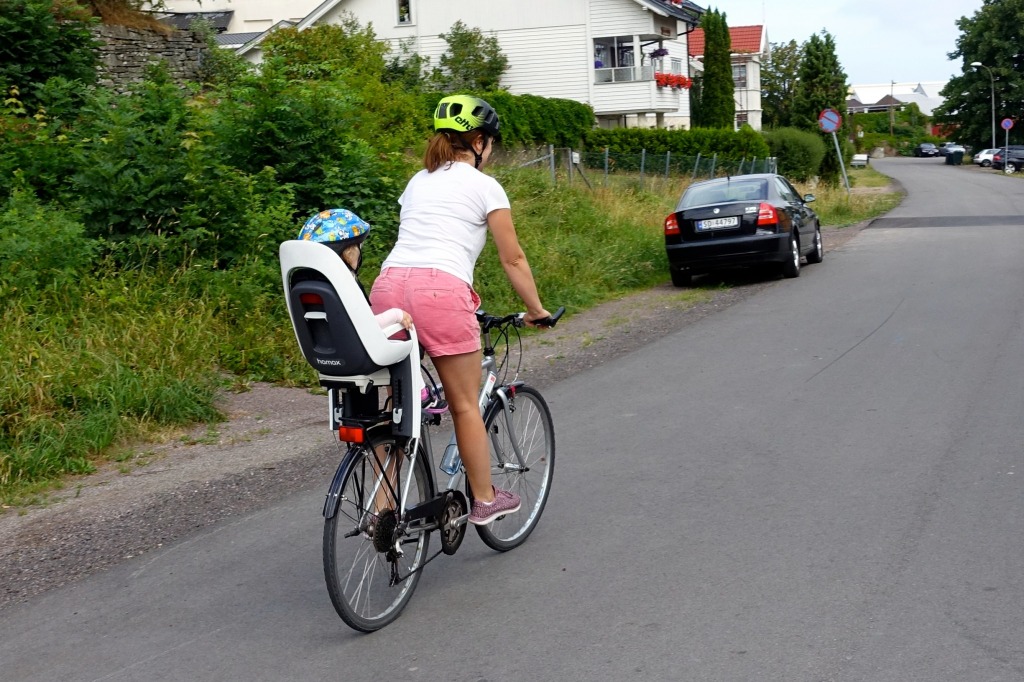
column 513, row 260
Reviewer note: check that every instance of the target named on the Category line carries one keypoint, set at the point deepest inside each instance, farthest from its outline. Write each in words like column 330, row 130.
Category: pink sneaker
column 505, row 502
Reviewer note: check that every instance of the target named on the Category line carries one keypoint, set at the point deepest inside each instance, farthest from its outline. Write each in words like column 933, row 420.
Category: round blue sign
column 829, row 120
column 1007, row 123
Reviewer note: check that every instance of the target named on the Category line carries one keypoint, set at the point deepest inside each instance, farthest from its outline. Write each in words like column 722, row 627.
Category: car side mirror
column 808, row 198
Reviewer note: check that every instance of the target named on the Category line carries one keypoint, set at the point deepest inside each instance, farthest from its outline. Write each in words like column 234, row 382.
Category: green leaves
column 472, row 61
column 991, row 36
column 717, row 107
column 41, row 39
column 780, row 74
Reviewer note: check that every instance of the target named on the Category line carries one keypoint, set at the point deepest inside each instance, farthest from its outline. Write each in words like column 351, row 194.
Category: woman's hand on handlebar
column 530, row 319
column 543, row 318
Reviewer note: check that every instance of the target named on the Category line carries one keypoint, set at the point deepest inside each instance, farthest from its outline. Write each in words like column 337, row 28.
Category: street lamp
column 992, row 80
column 892, row 85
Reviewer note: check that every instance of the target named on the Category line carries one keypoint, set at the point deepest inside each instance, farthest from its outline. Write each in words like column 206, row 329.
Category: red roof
column 744, row 40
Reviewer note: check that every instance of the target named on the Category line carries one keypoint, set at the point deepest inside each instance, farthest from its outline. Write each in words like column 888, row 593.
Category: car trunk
column 708, row 223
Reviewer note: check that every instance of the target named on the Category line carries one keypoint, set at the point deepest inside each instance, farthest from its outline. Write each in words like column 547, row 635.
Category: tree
column 41, row 39
column 968, row 97
column 326, row 51
column 779, row 77
column 717, row 107
column 473, row 61
column 406, row 68
column 822, row 85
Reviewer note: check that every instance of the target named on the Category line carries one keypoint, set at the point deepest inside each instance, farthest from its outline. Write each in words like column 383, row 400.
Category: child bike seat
column 339, row 335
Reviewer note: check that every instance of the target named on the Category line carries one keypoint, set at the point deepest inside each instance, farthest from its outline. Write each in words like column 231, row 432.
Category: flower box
column 671, row 80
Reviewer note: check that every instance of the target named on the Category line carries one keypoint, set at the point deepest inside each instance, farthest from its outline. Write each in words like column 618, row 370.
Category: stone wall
column 126, row 52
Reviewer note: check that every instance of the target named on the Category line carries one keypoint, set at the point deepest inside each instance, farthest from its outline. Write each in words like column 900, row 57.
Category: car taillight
column 311, row 299
column 671, row 225
column 766, row 215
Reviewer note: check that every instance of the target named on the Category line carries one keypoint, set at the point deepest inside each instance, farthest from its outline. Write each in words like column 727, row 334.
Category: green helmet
column 462, row 113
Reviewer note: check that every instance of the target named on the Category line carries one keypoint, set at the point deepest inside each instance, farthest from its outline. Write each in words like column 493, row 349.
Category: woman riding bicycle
column 447, row 209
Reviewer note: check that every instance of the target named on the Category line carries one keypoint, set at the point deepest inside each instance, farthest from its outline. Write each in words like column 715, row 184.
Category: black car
column 926, row 149
column 741, row 220
column 1009, row 159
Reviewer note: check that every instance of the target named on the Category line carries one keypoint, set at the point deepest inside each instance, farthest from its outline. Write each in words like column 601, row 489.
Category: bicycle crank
column 453, row 522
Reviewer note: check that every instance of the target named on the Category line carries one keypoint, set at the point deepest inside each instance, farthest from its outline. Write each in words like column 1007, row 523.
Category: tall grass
column 836, row 208
column 86, row 367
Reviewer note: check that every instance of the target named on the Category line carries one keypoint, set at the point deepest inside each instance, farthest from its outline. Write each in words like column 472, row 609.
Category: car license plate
column 717, row 223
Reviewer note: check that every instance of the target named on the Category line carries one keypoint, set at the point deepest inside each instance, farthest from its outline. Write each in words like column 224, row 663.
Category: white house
column 749, row 47
column 879, row 97
column 592, row 51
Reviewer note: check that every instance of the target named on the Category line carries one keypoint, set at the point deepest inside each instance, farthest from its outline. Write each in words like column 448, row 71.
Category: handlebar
column 488, row 321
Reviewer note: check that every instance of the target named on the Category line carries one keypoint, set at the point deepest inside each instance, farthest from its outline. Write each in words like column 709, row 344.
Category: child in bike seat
column 344, row 232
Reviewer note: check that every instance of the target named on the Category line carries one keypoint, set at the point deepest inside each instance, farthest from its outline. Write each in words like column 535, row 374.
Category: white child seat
column 339, row 335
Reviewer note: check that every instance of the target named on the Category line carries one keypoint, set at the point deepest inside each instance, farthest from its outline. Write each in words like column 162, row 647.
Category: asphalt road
column 822, row 482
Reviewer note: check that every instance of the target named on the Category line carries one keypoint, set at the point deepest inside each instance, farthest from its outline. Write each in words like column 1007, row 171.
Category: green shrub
column 43, row 39
column 799, row 152
column 40, row 247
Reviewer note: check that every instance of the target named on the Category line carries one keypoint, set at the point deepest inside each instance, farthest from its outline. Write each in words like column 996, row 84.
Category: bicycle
column 384, row 504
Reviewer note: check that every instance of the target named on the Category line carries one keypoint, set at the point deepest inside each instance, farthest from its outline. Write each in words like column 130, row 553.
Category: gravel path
column 274, row 443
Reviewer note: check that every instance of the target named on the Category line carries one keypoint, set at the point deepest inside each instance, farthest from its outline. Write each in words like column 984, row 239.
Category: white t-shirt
column 444, row 220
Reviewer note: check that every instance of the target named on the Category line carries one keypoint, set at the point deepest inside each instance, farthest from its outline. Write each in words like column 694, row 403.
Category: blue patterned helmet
column 338, row 228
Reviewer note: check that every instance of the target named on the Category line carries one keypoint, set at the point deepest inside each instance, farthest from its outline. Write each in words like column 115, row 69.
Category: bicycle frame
column 491, row 394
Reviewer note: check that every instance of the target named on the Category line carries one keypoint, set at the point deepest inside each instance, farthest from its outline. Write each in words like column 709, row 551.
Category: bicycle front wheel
column 361, row 551
column 522, row 443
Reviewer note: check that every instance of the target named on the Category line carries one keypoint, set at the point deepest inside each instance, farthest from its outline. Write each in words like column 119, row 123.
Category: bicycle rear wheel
column 359, row 557
column 528, row 421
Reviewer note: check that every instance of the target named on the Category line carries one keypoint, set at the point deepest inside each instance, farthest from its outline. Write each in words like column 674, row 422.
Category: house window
column 614, row 60
column 739, row 75
column 613, row 52
column 741, row 120
column 405, row 11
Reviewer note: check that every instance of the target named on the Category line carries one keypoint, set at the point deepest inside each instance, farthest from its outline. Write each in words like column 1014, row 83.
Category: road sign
column 1007, row 123
column 829, row 120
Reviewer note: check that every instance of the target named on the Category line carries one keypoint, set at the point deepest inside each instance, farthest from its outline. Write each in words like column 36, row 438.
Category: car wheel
column 817, row 254
column 791, row 266
column 1010, row 168
column 680, row 278
column 986, row 164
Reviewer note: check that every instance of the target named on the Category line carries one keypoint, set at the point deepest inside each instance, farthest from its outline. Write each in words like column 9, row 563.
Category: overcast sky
column 877, row 41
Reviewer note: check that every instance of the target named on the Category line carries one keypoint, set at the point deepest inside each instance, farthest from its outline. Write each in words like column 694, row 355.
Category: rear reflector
column 766, row 215
column 671, row 224
column 311, row 299
column 351, row 434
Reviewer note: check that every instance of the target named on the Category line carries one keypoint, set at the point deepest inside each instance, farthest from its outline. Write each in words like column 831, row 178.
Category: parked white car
column 984, row 157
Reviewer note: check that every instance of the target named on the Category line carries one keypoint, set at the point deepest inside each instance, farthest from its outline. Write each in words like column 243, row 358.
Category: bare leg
column 385, row 499
column 460, row 376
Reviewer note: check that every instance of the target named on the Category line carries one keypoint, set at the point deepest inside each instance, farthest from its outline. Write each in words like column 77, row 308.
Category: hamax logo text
column 332, row 363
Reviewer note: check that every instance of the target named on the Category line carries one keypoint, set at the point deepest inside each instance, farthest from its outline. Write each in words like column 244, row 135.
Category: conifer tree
column 717, row 106
column 822, row 86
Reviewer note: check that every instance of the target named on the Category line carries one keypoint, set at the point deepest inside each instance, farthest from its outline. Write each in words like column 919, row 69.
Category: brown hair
column 445, row 148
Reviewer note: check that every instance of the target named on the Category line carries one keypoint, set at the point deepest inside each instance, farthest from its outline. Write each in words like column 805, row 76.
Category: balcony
column 624, row 74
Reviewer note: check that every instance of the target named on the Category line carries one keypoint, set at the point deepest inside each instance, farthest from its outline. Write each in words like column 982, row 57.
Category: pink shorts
column 443, row 307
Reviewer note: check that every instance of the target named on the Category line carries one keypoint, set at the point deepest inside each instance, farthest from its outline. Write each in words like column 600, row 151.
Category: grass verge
column 89, row 369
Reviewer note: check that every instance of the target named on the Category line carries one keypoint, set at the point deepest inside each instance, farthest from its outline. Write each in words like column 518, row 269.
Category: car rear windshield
column 720, row 193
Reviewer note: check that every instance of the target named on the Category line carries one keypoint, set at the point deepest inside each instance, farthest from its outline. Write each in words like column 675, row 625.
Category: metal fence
column 599, row 166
